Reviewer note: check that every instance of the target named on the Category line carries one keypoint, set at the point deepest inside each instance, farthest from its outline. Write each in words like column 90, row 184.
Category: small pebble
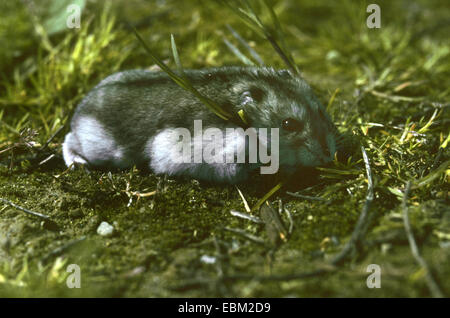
column 208, row 259
column 105, row 229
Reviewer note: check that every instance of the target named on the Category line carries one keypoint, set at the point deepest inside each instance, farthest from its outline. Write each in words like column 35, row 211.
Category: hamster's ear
column 257, row 94
column 252, row 94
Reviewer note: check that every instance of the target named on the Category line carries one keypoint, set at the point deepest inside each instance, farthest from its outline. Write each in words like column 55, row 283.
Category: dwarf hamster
column 134, row 118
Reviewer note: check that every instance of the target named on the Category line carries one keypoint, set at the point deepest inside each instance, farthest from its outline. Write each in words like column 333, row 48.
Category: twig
column 306, row 197
column 432, row 285
column 246, row 216
column 248, row 236
column 412, row 132
column 70, row 167
column 46, row 159
column 48, row 223
column 7, row 149
column 396, row 98
column 18, row 207
column 291, row 221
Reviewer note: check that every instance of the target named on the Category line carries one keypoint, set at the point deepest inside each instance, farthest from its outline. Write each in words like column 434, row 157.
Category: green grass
column 388, row 88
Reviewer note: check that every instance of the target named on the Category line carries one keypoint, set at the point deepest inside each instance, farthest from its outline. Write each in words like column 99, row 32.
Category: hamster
column 135, row 118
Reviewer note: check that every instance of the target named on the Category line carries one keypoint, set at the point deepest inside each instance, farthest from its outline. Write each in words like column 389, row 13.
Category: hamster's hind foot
column 71, row 158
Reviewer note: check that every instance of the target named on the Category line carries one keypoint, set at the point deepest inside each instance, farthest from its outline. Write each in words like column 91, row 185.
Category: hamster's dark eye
column 291, row 124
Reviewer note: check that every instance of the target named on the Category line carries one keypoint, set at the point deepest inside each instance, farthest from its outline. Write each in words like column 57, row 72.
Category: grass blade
column 238, row 53
column 183, row 82
column 250, row 50
column 251, row 18
column 176, row 57
column 267, row 196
